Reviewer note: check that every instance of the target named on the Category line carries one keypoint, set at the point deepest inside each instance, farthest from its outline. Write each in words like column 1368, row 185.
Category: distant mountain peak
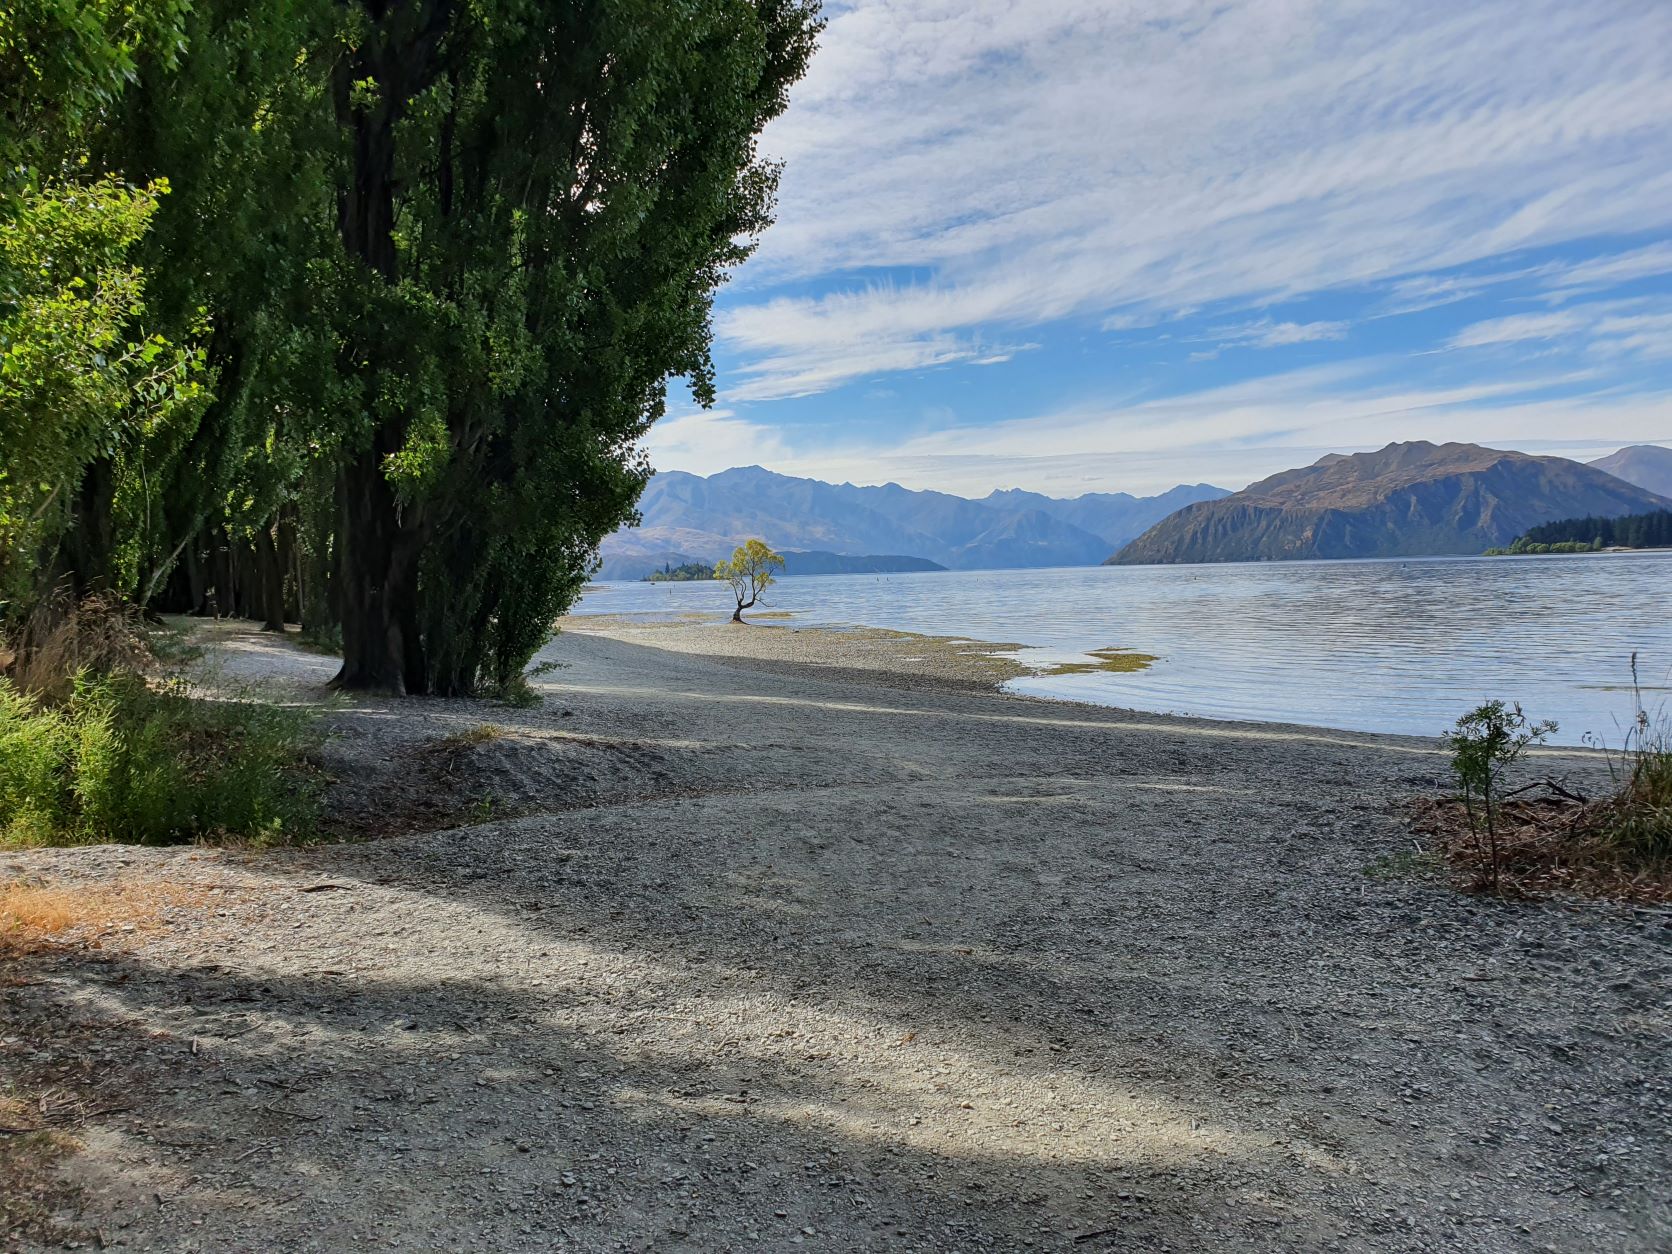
column 1407, row 499
column 1648, row 466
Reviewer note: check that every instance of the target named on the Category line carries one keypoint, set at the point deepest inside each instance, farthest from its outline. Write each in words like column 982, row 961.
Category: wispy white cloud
column 1268, row 334
column 1228, row 435
column 1639, row 328
column 803, row 346
column 1038, row 162
column 1415, row 293
column 1130, row 321
column 1518, row 328
column 1602, row 272
column 706, row 441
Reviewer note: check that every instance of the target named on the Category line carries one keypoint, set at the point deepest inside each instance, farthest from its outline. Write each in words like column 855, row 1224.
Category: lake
column 1402, row 645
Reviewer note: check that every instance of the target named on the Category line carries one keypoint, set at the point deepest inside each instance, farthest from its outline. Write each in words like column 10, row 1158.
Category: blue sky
column 1077, row 245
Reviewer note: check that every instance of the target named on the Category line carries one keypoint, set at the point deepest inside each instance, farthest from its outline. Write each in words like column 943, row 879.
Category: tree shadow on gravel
column 299, row 1111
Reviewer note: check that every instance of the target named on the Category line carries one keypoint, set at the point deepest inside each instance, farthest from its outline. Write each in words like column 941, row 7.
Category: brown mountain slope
column 1402, row 501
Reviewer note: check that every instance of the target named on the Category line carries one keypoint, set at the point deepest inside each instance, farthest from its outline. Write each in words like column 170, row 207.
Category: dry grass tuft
column 481, row 734
column 38, row 916
column 62, row 638
column 1548, row 844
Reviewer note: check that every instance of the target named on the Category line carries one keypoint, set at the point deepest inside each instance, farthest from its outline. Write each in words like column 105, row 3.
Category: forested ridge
column 353, row 312
column 1652, row 530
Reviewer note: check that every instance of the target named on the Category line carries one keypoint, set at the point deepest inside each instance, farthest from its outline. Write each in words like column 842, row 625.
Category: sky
column 1115, row 245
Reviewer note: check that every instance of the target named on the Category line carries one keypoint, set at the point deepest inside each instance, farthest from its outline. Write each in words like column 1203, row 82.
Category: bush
column 118, row 759
column 1485, row 743
column 1637, row 820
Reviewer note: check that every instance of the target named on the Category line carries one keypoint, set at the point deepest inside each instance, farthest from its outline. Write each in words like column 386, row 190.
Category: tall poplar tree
column 540, row 199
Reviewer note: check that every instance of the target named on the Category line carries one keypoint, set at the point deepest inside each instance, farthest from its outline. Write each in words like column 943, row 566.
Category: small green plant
column 173, row 646
column 1485, row 744
column 515, row 692
column 326, row 638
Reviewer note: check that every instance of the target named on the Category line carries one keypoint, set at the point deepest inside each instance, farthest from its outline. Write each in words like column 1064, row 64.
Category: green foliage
column 77, row 382
column 569, row 194
column 1586, row 535
column 384, row 354
column 122, row 761
column 80, row 379
column 1639, row 819
column 749, row 572
column 685, row 573
column 65, row 61
column 1485, row 744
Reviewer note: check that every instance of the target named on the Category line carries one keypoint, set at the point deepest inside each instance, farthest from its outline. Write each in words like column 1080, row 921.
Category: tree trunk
column 382, row 646
column 270, row 581
column 87, row 550
column 379, row 545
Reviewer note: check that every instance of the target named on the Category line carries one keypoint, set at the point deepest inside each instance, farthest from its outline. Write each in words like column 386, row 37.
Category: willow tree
column 243, row 251
column 80, row 376
column 541, row 199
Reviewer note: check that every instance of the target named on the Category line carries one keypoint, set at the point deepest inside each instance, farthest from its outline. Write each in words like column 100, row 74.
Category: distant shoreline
column 906, row 657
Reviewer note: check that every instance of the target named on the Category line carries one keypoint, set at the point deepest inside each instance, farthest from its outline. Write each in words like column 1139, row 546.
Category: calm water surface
column 1391, row 646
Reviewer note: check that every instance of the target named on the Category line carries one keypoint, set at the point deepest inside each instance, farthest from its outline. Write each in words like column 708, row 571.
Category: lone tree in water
column 749, row 572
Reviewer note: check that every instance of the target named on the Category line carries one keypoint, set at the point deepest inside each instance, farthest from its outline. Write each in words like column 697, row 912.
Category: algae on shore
column 1116, row 660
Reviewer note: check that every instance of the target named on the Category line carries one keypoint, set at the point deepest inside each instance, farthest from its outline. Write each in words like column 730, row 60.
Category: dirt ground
column 787, row 952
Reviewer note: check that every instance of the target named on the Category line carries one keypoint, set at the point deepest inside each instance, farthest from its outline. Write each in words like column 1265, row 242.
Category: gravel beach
column 752, row 938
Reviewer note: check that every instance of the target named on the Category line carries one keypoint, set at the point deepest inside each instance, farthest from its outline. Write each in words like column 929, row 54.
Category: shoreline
column 879, row 652
column 892, row 659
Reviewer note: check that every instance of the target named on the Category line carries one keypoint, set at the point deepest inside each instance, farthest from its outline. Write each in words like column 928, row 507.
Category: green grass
column 327, row 640
column 1638, row 819
column 173, row 646
column 480, row 734
column 1403, row 864
column 120, row 760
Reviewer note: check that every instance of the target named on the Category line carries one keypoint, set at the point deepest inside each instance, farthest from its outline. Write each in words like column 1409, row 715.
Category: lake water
column 1393, row 646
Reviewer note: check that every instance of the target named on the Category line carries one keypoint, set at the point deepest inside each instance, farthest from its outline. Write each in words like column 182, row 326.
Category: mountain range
column 692, row 518
column 1402, row 501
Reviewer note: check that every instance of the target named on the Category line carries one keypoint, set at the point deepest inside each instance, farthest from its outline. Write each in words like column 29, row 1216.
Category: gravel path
column 787, row 952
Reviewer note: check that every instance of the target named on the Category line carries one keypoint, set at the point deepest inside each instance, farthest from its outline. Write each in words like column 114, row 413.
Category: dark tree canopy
column 1634, row 531
column 409, row 279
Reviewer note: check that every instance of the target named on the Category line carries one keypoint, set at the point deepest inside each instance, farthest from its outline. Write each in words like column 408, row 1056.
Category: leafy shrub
column 326, row 638
column 120, row 760
column 1485, row 743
